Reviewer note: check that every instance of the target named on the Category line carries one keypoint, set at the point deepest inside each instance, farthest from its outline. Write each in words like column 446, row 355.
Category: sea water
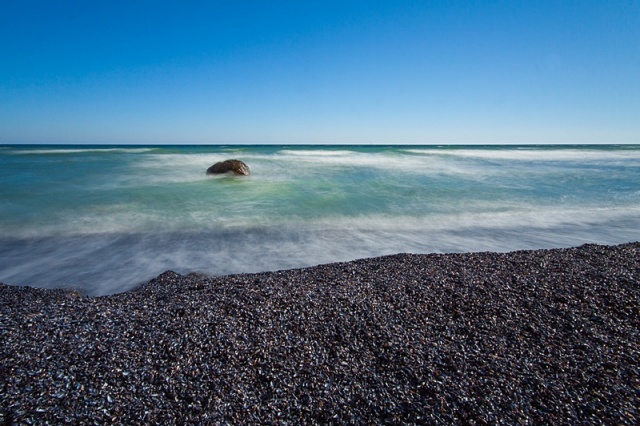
column 104, row 219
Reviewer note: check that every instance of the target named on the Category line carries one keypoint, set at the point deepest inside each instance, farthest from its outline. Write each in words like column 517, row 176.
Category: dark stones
column 545, row 336
column 229, row 166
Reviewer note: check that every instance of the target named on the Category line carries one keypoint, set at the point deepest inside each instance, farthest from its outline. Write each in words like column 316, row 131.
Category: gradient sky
column 214, row 72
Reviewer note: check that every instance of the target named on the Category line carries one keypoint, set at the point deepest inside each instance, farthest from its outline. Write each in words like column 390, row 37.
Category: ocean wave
column 317, row 152
column 142, row 214
column 534, row 154
column 87, row 260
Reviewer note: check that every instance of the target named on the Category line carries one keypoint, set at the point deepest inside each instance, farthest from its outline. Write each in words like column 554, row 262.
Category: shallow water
column 105, row 219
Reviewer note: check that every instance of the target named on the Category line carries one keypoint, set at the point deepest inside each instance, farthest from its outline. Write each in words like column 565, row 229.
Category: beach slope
column 545, row 336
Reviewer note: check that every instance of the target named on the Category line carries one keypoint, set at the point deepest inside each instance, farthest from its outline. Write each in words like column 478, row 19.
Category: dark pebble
column 545, row 336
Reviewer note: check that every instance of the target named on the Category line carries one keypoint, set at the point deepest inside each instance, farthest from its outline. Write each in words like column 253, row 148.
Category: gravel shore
column 544, row 336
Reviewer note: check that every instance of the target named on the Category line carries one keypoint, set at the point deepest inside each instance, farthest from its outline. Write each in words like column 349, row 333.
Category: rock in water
column 235, row 166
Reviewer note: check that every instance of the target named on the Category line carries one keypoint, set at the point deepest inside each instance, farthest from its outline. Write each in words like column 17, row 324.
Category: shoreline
column 546, row 336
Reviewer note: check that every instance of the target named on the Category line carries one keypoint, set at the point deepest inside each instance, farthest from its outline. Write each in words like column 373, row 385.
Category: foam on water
column 582, row 155
column 106, row 220
column 317, row 153
column 113, row 262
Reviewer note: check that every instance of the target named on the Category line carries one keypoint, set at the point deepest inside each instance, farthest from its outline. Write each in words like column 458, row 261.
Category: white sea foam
column 532, row 154
column 318, row 153
column 173, row 168
column 539, row 218
column 89, row 261
column 375, row 160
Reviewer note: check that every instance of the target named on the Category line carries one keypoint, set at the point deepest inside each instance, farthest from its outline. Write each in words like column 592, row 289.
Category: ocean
column 105, row 219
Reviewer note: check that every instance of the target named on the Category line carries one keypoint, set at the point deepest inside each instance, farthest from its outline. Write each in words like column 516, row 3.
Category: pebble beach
column 539, row 336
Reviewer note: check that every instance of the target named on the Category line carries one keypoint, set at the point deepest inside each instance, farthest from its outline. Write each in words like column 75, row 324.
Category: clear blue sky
column 344, row 71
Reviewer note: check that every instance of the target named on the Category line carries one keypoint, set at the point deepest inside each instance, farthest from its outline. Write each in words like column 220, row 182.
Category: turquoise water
column 107, row 218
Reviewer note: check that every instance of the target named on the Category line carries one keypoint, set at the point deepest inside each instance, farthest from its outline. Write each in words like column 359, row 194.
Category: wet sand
column 545, row 336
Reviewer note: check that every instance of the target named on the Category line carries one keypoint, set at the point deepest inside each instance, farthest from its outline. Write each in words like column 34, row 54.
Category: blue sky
column 427, row 72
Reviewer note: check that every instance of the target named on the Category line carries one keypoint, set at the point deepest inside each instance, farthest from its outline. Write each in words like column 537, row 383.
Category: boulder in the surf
column 229, row 166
